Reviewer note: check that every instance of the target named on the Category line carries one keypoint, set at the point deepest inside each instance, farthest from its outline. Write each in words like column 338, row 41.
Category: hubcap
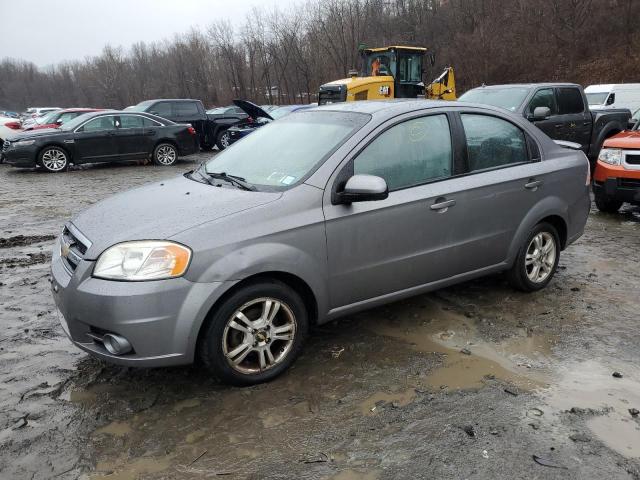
column 224, row 140
column 166, row 155
column 541, row 257
column 259, row 335
column 54, row 159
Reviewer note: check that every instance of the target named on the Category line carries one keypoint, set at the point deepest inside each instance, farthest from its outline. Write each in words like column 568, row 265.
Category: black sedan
column 102, row 137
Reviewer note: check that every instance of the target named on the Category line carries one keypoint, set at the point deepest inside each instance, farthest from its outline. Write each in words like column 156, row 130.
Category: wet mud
column 472, row 381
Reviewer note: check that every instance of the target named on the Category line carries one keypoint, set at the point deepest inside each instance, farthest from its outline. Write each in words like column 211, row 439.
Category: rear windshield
column 509, row 98
column 285, row 152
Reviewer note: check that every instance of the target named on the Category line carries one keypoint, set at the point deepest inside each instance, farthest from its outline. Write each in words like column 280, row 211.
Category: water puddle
column 118, row 429
column 468, row 360
column 590, row 385
column 354, row 475
column 122, row 470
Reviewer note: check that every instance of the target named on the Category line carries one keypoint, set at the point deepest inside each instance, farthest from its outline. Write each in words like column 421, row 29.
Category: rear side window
column 162, row 109
column 185, row 109
column 570, row 101
column 493, row 142
column 410, row 153
column 131, row 121
column 147, row 122
column 543, row 98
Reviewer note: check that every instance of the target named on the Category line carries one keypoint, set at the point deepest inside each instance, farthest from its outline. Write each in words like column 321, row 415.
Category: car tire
column 537, row 259
column 606, row 204
column 222, row 141
column 242, row 320
column 165, row 154
column 53, row 159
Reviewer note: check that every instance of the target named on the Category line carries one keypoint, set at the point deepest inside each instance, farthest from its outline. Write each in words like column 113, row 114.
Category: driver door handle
column 533, row 184
column 442, row 204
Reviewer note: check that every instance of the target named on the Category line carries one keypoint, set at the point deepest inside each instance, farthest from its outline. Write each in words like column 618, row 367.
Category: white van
column 614, row 95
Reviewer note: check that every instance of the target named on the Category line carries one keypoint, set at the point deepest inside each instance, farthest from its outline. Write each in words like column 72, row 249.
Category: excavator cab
column 389, row 72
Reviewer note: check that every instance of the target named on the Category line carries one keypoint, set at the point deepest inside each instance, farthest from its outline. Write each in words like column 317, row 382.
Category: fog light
column 115, row 344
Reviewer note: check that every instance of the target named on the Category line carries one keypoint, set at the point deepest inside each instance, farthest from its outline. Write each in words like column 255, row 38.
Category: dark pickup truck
column 211, row 128
column 558, row 109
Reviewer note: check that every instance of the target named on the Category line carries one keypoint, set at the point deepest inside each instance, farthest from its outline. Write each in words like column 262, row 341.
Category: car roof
column 169, row 100
column 397, row 106
column 529, row 85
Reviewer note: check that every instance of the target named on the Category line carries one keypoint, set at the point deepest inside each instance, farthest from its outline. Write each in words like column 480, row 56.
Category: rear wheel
column 53, row 159
column 223, row 140
column 537, row 259
column 607, row 204
column 255, row 334
column 165, row 154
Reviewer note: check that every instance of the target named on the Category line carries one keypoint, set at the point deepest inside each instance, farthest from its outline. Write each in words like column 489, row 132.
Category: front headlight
column 24, row 143
column 143, row 260
column 612, row 156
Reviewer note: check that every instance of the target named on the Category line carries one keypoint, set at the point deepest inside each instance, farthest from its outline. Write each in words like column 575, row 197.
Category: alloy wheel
column 540, row 257
column 259, row 335
column 166, row 155
column 224, row 139
column 54, row 160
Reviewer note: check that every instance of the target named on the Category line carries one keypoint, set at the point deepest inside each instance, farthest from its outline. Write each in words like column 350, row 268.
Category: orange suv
column 617, row 176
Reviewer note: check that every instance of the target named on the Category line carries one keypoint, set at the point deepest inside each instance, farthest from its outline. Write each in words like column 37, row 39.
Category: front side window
column 410, row 153
column 493, row 142
column 100, row 123
column 597, row 98
column 570, row 101
column 162, row 109
column 543, row 98
column 380, row 64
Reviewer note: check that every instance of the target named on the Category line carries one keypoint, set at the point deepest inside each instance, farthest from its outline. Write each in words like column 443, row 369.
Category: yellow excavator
column 389, row 72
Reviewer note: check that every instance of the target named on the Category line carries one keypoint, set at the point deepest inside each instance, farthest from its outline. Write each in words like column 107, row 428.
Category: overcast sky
column 49, row 31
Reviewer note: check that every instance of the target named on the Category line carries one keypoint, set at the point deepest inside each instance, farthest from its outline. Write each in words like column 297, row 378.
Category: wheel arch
column 67, row 150
column 293, row 281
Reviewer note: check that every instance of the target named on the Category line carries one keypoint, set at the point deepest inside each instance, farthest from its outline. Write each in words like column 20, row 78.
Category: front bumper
column 617, row 183
column 161, row 319
column 19, row 157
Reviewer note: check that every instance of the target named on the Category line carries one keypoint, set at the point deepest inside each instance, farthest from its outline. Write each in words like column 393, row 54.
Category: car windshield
column 48, row 118
column 509, row 97
column 75, row 122
column 282, row 153
column 597, row 98
column 219, row 110
column 280, row 112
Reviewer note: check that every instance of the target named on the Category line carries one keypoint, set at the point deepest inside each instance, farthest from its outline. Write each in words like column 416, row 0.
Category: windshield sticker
column 288, row 180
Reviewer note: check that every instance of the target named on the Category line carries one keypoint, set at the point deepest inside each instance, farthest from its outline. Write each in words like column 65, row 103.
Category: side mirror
column 59, row 122
column 541, row 113
column 364, row 188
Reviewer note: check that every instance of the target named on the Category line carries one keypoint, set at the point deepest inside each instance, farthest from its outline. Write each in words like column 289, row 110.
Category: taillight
column 191, row 130
column 13, row 125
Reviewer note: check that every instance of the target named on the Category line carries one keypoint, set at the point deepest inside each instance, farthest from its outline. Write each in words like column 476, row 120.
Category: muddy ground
column 474, row 381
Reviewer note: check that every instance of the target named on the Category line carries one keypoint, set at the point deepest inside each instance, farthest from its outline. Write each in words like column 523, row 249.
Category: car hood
column 41, row 132
column 252, row 109
column 161, row 210
column 626, row 139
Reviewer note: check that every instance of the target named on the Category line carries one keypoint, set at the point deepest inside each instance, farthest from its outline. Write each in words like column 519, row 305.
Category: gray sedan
column 320, row 214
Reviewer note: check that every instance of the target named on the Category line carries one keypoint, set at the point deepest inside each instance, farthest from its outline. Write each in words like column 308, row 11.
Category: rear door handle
column 533, row 184
column 442, row 205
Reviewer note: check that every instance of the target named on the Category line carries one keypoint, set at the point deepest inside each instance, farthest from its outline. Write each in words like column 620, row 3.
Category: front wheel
column 223, row 140
column 53, row 159
column 607, row 204
column 255, row 334
column 165, row 154
column 537, row 259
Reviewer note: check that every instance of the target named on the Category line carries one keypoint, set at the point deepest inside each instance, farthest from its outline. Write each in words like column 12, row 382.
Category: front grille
column 633, row 159
column 72, row 249
column 332, row 94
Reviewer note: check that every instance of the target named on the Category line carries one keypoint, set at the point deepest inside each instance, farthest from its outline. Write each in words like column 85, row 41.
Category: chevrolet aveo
column 320, row 214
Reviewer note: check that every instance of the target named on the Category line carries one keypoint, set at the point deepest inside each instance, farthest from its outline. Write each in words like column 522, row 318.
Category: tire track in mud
column 30, row 259
column 24, row 240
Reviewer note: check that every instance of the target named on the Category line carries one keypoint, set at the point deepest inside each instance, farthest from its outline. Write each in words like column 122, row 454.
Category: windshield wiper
column 233, row 179
column 203, row 176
